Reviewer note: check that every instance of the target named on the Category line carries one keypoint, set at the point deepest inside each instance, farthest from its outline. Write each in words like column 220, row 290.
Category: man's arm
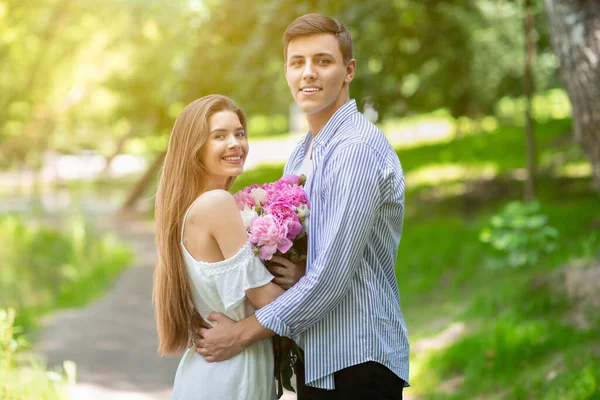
column 352, row 199
column 228, row 338
column 349, row 212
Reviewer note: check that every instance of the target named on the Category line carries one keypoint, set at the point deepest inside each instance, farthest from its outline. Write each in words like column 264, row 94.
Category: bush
column 44, row 268
column 519, row 235
column 28, row 380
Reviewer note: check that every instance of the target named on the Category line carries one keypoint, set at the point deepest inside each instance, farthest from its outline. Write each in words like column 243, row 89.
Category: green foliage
column 581, row 382
column 503, row 148
column 516, row 342
column 45, row 268
column 267, row 125
column 24, row 381
column 259, row 176
column 75, row 77
column 520, row 234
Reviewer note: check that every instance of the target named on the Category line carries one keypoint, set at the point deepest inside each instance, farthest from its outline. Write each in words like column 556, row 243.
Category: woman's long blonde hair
column 181, row 181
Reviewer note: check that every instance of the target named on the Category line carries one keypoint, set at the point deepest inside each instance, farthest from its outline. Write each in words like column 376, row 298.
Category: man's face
column 316, row 73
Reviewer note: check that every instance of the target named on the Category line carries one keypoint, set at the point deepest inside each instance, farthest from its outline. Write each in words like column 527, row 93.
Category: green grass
column 259, row 176
column 517, row 343
column 45, row 268
column 504, row 147
column 29, row 380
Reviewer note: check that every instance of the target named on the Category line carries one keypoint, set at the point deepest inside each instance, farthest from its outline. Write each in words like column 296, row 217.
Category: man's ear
column 285, row 70
column 350, row 70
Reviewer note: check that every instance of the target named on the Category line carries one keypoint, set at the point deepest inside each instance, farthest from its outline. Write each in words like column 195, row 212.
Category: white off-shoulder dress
column 221, row 286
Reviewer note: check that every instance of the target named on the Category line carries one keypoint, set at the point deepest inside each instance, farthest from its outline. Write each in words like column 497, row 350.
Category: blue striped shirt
column 347, row 306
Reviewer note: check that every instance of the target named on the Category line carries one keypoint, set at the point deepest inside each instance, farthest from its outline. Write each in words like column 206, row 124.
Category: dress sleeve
column 236, row 275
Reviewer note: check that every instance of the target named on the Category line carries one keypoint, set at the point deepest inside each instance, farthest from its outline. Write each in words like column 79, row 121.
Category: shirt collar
column 331, row 127
column 302, row 150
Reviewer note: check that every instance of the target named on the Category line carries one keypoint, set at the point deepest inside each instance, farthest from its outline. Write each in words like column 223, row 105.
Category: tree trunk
column 143, row 183
column 116, row 152
column 575, row 31
column 529, row 89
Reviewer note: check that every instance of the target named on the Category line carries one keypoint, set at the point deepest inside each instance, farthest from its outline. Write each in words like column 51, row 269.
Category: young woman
column 205, row 262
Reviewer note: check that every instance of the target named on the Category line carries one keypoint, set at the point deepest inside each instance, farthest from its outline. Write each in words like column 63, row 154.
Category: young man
column 346, row 309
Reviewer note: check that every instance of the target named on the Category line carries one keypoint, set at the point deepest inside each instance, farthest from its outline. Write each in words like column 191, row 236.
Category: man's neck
column 317, row 121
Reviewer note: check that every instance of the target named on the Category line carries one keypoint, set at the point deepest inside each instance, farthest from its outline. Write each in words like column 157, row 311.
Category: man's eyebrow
column 322, row 54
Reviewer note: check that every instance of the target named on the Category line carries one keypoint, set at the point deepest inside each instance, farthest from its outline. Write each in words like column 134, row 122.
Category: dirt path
column 113, row 341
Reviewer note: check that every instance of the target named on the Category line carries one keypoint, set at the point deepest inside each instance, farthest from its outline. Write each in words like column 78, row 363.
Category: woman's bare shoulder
column 211, row 205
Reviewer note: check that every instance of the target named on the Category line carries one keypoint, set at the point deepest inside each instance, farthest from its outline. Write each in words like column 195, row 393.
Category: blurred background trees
column 112, row 76
column 487, row 103
column 575, row 27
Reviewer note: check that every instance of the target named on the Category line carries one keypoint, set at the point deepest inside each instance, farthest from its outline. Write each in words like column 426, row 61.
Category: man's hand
column 198, row 322
column 286, row 273
column 220, row 342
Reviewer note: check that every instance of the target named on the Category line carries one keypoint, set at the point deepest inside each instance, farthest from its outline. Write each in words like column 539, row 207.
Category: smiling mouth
column 310, row 90
column 236, row 158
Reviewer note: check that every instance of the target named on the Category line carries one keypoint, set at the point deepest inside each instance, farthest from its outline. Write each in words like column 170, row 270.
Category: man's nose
column 309, row 72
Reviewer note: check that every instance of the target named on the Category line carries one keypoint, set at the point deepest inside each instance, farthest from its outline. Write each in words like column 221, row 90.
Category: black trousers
column 369, row 381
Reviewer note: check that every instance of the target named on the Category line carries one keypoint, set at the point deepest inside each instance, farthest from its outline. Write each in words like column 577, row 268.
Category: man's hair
column 312, row 24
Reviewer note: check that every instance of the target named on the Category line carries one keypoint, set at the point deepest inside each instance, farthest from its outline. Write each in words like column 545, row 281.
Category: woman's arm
column 263, row 295
column 217, row 213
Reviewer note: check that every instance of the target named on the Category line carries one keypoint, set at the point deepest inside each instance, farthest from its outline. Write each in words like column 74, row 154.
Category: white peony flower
column 259, row 195
column 303, row 211
column 304, row 226
column 248, row 214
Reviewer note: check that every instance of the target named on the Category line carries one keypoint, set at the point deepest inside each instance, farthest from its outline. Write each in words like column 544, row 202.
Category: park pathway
column 114, row 340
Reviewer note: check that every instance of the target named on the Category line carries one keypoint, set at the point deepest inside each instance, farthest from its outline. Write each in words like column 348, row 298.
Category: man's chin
column 311, row 109
column 308, row 106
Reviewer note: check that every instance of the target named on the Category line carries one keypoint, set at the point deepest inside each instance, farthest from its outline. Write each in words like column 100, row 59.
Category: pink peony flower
column 243, row 199
column 281, row 192
column 269, row 235
column 290, row 179
column 274, row 214
column 286, row 215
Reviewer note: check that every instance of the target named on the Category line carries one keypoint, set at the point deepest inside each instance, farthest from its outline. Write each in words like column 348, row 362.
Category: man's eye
column 219, row 136
column 296, row 63
column 241, row 134
column 323, row 62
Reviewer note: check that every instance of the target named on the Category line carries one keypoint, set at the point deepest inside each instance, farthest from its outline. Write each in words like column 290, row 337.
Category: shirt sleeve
column 349, row 209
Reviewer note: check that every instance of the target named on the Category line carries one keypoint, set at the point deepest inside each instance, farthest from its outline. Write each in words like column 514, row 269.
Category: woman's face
column 224, row 153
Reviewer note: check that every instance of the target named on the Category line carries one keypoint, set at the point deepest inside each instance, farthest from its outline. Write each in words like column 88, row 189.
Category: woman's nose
column 233, row 142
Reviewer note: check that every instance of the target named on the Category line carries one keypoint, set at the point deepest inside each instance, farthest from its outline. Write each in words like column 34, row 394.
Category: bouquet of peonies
column 275, row 216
